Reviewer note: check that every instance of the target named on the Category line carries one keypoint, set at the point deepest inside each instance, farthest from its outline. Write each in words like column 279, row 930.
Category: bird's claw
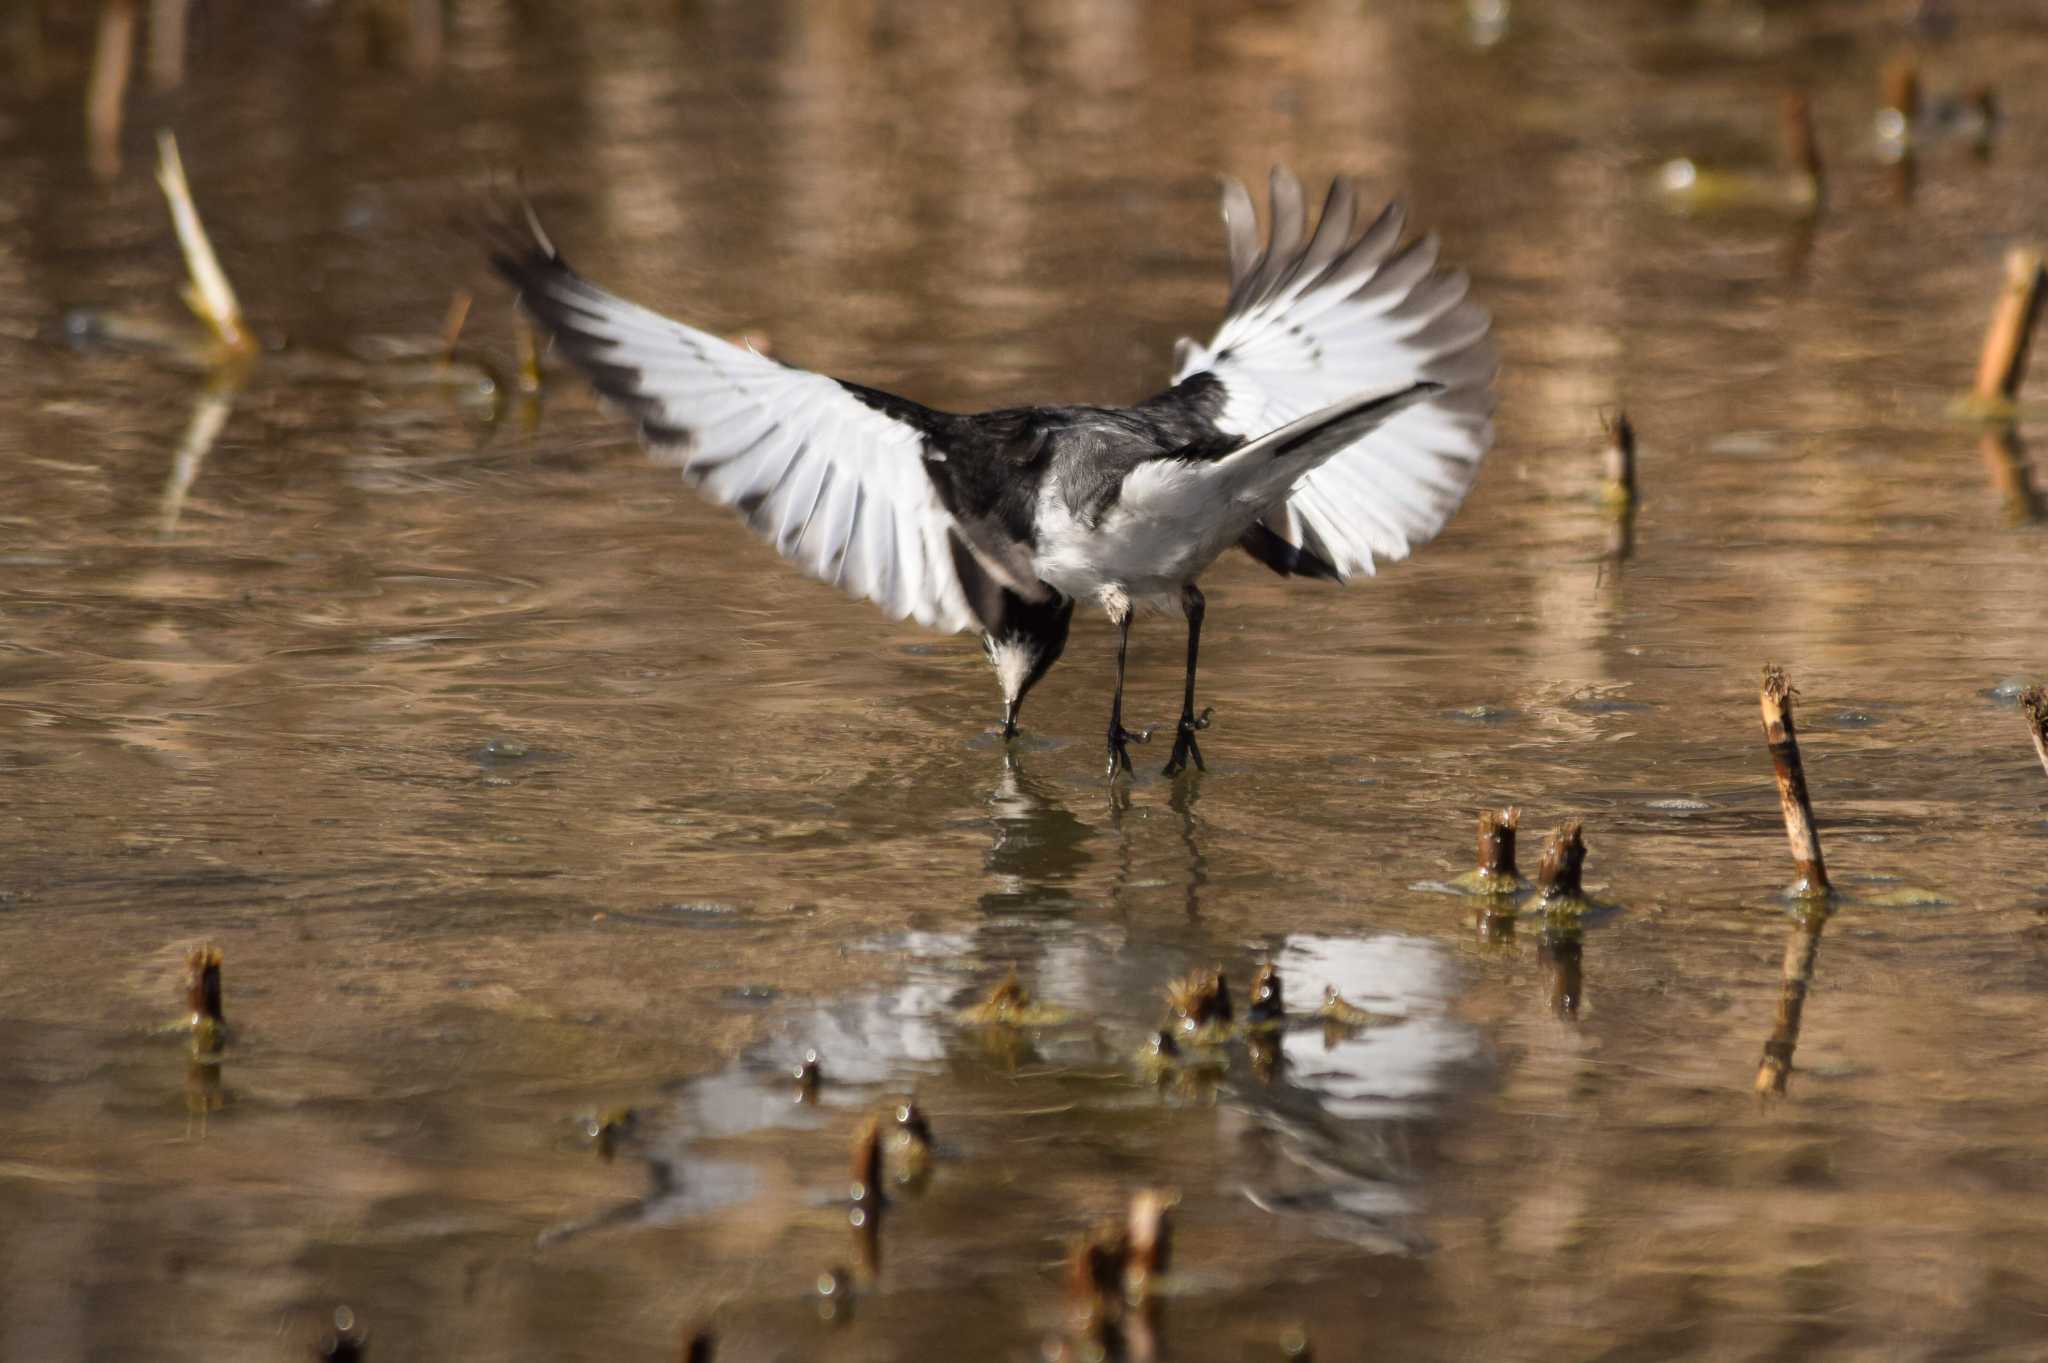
column 1184, row 746
column 1119, row 755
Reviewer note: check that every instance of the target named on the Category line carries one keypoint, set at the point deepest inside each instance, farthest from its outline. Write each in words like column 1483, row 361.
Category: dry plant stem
column 1800, row 832
column 106, row 90
column 208, row 293
column 529, row 357
column 1902, row 87
column 1620, row 462
column 1802, row 147
column 2003, row 365
column 167, row 43
column 867, row 1163
column 1564, row 858
column 2034, row 705
column 1775, row 1069
column 1148, row 1241
column 203, row 984
column 2005, row 459
column 451, row 326
column 1268, row 999
column 1497, row 843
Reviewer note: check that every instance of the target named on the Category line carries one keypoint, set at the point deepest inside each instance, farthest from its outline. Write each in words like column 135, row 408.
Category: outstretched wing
column 837, row 484
column 1316, row 317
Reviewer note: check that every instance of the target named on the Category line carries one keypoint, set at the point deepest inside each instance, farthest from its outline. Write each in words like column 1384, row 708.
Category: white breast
column 1167, row 525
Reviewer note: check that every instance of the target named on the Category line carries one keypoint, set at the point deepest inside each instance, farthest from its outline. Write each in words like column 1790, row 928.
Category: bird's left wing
column 1319, row 316
column 834, row 481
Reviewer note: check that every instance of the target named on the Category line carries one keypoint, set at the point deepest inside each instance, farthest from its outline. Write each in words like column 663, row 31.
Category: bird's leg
column 1119, row 755
column 1184, row 740
column 1010, row 719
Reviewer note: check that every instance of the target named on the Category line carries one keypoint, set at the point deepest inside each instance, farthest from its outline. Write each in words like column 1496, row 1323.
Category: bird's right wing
column 834, row 481
column 1316, row 317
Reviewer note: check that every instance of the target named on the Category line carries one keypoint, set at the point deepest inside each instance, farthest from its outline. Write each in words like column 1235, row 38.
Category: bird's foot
column 1184, row 746
column 1119, row 755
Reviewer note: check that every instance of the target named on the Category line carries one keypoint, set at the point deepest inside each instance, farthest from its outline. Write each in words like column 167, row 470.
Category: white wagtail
column 1339, row 414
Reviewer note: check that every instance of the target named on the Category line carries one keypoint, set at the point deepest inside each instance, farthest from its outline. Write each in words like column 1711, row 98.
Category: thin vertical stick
column 1800, row 832
column 113, row 57
column 2034, row 705
column 451, row 326
column 2003, row 364
column 208, row 293
column 167, row 43
column 1619, row 485
column 1801, row 144
column 1902, row 88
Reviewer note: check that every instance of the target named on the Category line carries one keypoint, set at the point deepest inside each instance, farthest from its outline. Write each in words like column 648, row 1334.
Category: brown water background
column 518, row 785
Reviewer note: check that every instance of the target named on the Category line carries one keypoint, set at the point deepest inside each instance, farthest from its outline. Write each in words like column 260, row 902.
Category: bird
column 1338, row 415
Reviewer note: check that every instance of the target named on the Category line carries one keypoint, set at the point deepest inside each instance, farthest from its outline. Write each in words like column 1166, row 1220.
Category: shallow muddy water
column 519, row 787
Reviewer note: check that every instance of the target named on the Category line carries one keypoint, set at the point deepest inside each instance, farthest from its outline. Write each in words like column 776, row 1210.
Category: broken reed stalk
column 1618, row 486
column 1802, row 145
column 1564, row 858
column 1497, row 846
column 2034, row 705
column 1148, row 1240
column 207, row 293
column 106, row 90
column 1268, row 1002
column 2003, row 365
column 1800, row 831
column 1902, row 89
column 451, row 325
column 167, row 44
column 202, row 984
column 1200, row 999
column 867, row 1164
column 1775, row 1069
column 529, row 356
column 203, row 1000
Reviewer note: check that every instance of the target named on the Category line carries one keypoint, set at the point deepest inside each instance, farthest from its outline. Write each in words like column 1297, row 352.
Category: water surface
column 519, row 786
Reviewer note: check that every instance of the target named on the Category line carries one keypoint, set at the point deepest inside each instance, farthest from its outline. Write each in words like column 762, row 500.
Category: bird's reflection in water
column 1182, row 803
column 1039, row 847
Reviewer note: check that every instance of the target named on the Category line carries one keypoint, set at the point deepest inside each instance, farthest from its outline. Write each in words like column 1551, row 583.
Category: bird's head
column 1022, row 644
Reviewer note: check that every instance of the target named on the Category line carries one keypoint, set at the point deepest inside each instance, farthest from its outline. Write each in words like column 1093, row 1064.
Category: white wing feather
column 837, row 486
column 1312, row 323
